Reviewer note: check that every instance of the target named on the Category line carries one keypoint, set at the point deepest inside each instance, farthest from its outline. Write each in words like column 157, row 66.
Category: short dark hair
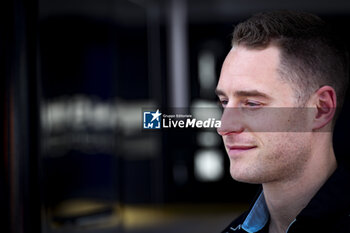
column 311, row 55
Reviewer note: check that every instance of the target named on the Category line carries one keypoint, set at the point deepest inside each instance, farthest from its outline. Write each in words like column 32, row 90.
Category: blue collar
column 258, row 216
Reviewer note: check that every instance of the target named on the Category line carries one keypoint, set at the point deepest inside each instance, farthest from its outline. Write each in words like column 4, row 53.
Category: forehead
column 245, row 69
column 250, row 60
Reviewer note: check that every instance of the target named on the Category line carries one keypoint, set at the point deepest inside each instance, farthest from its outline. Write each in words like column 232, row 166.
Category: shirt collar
column 258, row 216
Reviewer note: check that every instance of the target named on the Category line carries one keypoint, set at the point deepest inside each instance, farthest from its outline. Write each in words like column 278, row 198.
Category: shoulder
column 340, row 224
column 329, row 210
column 343, row 225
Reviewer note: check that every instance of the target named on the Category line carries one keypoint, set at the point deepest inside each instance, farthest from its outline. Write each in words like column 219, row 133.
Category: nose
column 231, row 122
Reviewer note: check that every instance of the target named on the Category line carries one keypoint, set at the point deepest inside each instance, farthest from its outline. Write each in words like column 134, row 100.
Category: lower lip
column 239, row 152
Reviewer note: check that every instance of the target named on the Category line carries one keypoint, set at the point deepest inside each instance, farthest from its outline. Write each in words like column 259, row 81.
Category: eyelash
column 247, row 103
column 252, row 103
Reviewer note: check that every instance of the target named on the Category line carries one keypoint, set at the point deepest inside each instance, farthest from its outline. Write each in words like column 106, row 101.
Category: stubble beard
column 279, row 162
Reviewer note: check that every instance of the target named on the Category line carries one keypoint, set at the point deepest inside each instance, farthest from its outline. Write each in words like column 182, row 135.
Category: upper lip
column 240, row 147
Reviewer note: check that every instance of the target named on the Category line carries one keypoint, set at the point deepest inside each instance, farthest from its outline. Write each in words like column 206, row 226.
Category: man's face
column 249, row 85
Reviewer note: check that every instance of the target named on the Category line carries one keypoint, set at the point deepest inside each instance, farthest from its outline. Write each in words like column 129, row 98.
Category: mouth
column 237, row 150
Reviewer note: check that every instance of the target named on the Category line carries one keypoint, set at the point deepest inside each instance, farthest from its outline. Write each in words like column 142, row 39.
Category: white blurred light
column 208, row 139
column 208, row 165
column 206, row 68
column 82, row 112
column 205, row 109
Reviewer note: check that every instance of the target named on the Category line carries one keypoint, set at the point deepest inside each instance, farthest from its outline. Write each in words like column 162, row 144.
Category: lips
column 236, row 150
column 240, row 147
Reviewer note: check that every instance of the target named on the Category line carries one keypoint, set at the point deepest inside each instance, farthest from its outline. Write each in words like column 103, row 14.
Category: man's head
column 279, row 60
column 310, row 55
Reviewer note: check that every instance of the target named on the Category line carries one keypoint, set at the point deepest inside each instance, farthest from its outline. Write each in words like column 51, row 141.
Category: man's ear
column 326, row 103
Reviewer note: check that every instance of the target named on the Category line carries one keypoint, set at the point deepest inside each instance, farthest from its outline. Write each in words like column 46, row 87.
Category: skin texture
column 291, row 164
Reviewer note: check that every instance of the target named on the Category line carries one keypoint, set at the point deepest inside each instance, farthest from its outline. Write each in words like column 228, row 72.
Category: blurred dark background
column 75, row 78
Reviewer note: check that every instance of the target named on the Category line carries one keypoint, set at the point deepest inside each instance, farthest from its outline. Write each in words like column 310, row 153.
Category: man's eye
column 252, row 104
column 223, row 103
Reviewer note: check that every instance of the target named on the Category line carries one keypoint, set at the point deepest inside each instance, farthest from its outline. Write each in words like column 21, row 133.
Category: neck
column 285, row 199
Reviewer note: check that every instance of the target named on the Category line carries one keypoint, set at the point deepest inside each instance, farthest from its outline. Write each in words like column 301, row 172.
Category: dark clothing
column 328, row 211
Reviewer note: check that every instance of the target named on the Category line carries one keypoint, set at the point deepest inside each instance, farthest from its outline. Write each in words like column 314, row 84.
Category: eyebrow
column 248, row 93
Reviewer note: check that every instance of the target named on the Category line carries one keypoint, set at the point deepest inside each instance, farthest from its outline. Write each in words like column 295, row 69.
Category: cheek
column 281, row 156
column 289, row 152
column 286, row 149
column 277, row 120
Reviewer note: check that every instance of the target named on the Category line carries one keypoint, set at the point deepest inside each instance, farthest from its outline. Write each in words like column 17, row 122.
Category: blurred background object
column 76, row 76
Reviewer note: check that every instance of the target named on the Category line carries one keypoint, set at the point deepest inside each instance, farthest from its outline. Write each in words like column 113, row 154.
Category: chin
column 242, row 175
